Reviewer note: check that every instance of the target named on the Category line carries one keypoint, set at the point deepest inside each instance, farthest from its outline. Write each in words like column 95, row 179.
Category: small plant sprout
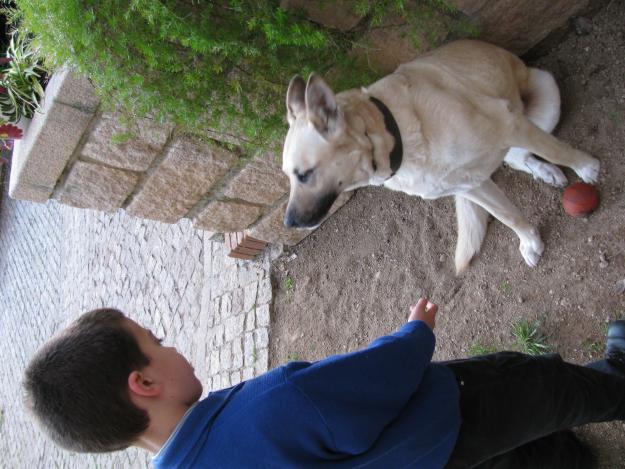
column 288, row 284
column 121, row 138
column 528, row 338
column 293, row 357
column 477, row 349
column 505, row 287
column 593, row 346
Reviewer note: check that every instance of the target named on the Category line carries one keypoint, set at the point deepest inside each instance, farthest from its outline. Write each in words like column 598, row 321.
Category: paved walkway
column 57, row 262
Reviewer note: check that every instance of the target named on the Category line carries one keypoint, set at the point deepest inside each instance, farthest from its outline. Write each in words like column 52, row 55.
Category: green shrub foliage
column 223, row 65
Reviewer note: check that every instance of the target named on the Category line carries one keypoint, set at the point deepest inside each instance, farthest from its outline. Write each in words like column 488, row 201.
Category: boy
column 106, row 383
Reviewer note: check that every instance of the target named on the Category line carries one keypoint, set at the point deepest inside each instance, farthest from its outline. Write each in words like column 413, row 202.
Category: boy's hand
column 423, row 311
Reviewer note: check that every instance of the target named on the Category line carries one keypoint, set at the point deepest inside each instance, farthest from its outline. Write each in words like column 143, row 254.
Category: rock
column 339, row 14
column 518, row 26
column 603, row 262
column 582, row 26
column 620, row 286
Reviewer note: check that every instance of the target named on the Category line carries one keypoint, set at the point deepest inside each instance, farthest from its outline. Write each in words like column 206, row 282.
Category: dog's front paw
column 550, row 174
column 532, row 248
column 589, row 172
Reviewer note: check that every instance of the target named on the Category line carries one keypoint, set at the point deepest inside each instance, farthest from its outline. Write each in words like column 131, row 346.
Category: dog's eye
column 303, row 177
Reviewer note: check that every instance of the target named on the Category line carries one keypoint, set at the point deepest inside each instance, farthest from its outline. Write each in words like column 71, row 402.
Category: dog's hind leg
column 526, row 135
column 541, row 98
column 523, row 160
column 472, row 223
column 530, row 129
column 493, row 200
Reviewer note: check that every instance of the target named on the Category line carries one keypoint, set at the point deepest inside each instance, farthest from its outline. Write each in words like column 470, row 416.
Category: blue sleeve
column 360, row 393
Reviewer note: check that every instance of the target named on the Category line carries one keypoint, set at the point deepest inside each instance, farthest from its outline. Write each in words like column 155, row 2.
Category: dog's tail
column 541, row 98
column 472, row 224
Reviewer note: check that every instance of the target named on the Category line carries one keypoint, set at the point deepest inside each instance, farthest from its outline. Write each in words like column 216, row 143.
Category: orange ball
column 580, row 199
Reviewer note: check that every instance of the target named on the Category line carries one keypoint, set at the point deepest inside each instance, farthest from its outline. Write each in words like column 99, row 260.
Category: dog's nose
column 290, row 221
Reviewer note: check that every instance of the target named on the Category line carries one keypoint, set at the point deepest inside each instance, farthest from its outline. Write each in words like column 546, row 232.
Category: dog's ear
column 321, row 108
column 295, row 99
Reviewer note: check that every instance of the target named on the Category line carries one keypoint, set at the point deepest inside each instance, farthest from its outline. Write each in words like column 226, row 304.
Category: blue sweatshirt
column 386, row 407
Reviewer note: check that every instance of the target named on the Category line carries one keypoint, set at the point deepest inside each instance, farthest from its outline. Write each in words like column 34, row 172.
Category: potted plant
column 21, row 90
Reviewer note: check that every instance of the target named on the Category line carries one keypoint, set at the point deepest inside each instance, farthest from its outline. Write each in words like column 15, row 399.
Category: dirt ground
column 354, row 278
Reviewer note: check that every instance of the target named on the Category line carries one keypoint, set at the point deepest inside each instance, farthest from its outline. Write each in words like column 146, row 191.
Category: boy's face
column 173, row 372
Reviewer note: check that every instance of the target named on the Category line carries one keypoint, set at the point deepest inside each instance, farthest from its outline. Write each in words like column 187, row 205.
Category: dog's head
column 325, row 151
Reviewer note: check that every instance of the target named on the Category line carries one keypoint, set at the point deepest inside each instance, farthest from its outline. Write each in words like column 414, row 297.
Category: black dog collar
column 397, row 153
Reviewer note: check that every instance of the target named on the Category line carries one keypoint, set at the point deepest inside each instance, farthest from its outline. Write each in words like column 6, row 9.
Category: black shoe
column 615, row 345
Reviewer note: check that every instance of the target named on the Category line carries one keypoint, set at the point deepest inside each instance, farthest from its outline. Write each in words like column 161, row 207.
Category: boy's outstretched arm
column 360, row 393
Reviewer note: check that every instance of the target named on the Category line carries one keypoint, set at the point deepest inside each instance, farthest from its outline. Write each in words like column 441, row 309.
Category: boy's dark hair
column 77, row 385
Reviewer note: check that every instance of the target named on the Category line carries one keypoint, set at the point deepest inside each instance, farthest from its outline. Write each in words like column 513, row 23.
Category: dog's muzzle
column 295, row 219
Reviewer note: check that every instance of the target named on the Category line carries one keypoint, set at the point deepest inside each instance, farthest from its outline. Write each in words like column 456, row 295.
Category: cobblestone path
column 57, row 262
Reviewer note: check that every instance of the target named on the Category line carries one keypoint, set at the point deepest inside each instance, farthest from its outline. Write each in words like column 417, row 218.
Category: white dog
column 438, row 126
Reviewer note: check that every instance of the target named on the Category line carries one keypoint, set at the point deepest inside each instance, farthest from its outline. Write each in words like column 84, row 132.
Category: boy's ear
column 140, row 385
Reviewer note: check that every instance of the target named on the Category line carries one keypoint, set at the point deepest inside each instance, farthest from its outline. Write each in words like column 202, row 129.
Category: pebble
column 620, row 286
column 603, row 262
column 582, row 26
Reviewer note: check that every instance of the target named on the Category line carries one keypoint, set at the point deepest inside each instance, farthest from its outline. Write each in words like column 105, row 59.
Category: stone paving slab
column 57, row 262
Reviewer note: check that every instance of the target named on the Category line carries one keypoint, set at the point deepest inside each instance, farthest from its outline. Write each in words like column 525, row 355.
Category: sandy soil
column 354, row 278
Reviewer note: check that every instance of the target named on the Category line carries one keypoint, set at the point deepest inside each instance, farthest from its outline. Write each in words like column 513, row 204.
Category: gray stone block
column 261, row 181
column 250, row 321
column 235, row 377
column 247, row 373
column 261, row 338
column 264, row 292
column 132, row 145
column 41, row 156
column 69, row 87
column 227, row 216
column 225, row 357
column 98, row 187
column 339, row 14
column 234, row 327
column 237, row 354
column 262, row 361
column 25, row 191
column 517, row 26
column 190, row 169
column 249, row 296
column 262, row 316
column 249, row 349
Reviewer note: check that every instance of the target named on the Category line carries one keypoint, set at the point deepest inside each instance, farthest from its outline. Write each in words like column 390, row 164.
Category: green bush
column 222, row 65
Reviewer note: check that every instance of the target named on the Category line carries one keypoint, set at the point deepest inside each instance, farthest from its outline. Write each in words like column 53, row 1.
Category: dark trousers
column 511, row 404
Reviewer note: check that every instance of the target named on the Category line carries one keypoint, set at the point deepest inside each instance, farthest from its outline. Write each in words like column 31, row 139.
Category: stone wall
column 86, row 157
column 514, row 25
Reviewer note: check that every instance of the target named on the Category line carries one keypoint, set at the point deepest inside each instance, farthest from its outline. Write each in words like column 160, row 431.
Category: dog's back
column 476, row 66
